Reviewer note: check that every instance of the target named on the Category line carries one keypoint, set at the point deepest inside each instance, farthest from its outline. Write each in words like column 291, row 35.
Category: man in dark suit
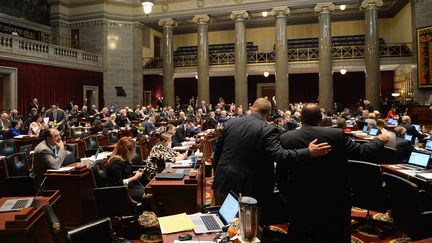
column 245, row 154
column 56, row 115
column 410, row 129
column 403, row 146
column 317, row 189
column 35, row 104
column 183, row 132
column 149, row 126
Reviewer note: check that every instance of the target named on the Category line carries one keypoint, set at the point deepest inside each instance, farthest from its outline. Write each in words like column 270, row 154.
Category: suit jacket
column 44, row 159
column 244, row 158
column 59, row 118
column 318, row 187
column 403, row 149
column 148, row 127
column 411, row 130
column 181, row 134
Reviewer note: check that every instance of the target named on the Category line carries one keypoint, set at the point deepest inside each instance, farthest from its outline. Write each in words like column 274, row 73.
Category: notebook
column 373, row 131
column 428, row 145
column 418, row 161
column 206, row 223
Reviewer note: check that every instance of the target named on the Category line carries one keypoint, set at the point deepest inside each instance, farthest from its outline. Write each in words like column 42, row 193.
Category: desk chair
column 407, row 207
column 17, row 181
column 91, row 145
column 96, row 231
column 113, row 137
column 99, row 173
column 16, row 165
column 389, row 156
column 7, row 147
column 138, row 158
column 368, row 192
column 72, row 155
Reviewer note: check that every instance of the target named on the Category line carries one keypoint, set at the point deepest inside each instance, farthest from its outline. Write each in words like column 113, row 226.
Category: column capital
column 166, row 22
column 201, row 19
column 239, row 15
column 371, row 3
column 280, row 11
column 324, row 7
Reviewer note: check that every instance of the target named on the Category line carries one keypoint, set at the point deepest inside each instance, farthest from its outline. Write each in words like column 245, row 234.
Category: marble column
column 325, row 55
column 372, row 63
column 241, row 87
column 168, row 60
column 281, row 49
column 203, row 57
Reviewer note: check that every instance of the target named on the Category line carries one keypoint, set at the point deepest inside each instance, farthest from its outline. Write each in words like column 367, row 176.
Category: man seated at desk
column 48, row 154
column 183, row 132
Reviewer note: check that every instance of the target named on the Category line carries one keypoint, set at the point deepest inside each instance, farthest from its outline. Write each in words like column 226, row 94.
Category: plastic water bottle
column 193, row 159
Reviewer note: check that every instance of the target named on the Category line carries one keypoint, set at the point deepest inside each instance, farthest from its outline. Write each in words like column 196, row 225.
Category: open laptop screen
column 373, row 131
column 229, row 208
column 417, row 127
column 365, row 128
column 428, row 145
column 419, row 159
column 408, row 137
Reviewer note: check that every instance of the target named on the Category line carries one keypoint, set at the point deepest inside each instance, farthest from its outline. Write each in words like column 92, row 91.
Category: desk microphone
column 39, row 190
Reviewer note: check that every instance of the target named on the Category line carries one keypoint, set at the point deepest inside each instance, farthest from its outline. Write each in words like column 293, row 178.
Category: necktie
column 53, row 150
column 55, row 115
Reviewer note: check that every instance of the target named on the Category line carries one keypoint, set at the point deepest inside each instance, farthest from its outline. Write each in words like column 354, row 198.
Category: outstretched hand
column 318, row 149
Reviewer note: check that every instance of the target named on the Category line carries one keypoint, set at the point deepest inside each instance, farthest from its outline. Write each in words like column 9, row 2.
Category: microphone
column 39, row 190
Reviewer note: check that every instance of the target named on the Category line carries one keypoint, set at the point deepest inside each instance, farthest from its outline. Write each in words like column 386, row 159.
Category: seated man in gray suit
column 48, row 154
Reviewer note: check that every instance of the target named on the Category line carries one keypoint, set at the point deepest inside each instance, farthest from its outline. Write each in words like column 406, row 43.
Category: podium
column 29, row 224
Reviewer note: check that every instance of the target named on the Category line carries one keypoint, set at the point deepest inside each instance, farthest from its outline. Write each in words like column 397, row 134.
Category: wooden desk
column 179, row 196
column 169, row 238
column 34, row 141
column 393, row 169
column 77, row 205
column 27, row 225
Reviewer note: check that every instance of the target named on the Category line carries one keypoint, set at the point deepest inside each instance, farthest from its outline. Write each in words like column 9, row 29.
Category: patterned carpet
column 358, row 235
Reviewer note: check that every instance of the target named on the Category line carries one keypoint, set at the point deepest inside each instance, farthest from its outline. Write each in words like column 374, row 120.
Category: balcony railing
column 294, row 55
column 30, row 48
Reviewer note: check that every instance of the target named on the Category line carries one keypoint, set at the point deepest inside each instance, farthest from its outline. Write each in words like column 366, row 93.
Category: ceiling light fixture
column 266, row 74
column 147, row 7
column 342, row 7
column 196, row 76
column 264, row 14
column 343, row 71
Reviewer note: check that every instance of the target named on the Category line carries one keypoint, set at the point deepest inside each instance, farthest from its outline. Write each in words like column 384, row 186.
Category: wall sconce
column 343, row 71
column 147, row 7
column 266, row 74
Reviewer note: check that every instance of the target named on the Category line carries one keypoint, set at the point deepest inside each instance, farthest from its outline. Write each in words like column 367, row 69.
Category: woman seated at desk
column 119, row 169
column 163, row 151
column 36, row 126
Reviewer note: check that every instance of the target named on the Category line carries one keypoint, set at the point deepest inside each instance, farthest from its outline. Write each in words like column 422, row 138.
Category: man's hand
column 383, row 137
column 318, row 149
column 60, row 144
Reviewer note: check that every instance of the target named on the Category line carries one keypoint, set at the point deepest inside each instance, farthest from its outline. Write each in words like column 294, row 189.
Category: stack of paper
column 175, row 223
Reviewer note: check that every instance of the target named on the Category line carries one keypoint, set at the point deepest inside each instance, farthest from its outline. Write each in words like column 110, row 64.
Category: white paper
column 46, row 120
column 62, row 169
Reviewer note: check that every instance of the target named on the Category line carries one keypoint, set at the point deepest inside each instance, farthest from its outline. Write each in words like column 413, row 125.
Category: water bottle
column 193, row 159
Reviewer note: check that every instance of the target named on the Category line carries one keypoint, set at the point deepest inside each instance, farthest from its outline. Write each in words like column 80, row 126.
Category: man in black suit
column 403, row 147
column 410, row 129
column 245, row 154
column 35, row 104
column 317, row 189
column 56, row 115
column 183, row 132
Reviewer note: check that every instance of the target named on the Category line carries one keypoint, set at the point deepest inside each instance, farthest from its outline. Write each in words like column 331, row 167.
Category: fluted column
column 325, row 55
column 203, row 57
column 168, row 60
column 281, row 48
column 241, row 97
column 373, row 83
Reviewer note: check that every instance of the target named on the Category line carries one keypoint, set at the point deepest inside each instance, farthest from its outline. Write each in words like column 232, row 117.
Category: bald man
column 245, row 155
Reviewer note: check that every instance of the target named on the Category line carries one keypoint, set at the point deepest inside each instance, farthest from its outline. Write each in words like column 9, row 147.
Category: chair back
column 366, row 183
column 18, row 186
column 72, row 155
column 114, row 201
column 7, row 147
column 112, row 137
column 58, row 232
column 406, row 206
column 16, row 165
column 98, row 169
column 78, row 132
column 97, row 231
column 361, row 124
column 389, row 156
column 91, row 143
column 137, row 158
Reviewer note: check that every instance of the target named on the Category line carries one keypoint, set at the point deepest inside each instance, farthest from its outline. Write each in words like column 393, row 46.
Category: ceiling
column 301, row 12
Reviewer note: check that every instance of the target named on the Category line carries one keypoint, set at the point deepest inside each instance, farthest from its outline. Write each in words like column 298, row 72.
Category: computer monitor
column 419, row 159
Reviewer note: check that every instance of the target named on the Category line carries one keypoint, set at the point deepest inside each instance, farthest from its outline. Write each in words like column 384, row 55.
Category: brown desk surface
column 168, row 238
column 394, row 169
column 27, row 225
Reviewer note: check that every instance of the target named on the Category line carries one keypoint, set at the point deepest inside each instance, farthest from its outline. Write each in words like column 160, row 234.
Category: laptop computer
column 428, row 145
column 418, row 161
column 26, row 148
column 16, row 204
column 365, row 128
column 417, row 127
column 408, row 137
column 373, row 131
column 206, row 223
column 169, row 176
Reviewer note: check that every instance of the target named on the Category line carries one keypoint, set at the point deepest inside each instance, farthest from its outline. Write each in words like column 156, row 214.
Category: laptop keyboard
column 20, row 203
column 210, row 222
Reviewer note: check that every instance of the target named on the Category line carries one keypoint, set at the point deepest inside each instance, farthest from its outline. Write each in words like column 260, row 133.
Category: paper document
column 425, row 175
column 408, row 172
column 62, row 169
column 21, row 136
column 175, row 223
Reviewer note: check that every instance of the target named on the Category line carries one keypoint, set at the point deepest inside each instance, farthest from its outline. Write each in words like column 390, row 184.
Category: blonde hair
column 124, row 150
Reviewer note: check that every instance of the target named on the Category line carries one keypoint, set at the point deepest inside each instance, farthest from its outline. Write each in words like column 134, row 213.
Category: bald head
column 311, row 114
column 262, row 106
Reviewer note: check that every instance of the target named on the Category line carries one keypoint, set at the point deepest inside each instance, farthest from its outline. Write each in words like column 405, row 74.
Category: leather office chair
column 7, row 147
column 16, row 165
column 115, row 201
column 91, row 145
column 99, row 173
column 72, row 155
column 96, row 231
column 112, row 137
column 389, row 156
column 137, row 158
column 18, row 186
column 408, row 210
column 368, row 192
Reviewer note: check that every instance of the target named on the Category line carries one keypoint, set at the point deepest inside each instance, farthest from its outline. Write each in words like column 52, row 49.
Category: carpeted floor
column 358, row 234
